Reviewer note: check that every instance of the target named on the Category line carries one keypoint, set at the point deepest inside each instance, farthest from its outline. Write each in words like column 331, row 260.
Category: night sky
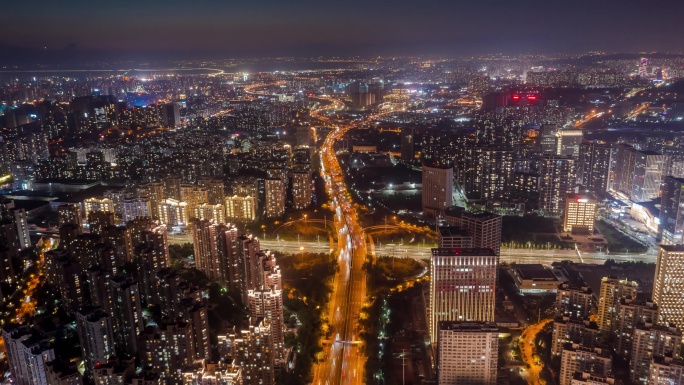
column 227, row 28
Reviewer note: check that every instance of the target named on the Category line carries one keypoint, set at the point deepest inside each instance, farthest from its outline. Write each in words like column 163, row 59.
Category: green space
column 619, row 242
column 386, row 272
column 307, row 285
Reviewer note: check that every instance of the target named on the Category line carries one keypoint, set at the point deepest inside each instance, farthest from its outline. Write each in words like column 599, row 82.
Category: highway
column 344, row 361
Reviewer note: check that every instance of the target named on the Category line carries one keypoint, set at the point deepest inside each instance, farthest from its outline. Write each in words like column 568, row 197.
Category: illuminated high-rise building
column 577, row 358
column 556, row 180
column 571, row 330
column 193, row 196
column 579, row 213
column 126, row 311
column 666, row 371
column 574, row 301
column 652, row 341
column 97, row 204
column 569, row 141
column 275, row 197
column 95, row 333
column 99, row 220
column 467, row 353
column 613, row 290
column 204, row 239
column 301, row 190
column 70, row 214
column 593, row 167
column 632, row 312
column 668, row 285
column 241, row 209
column 638, row 174
column 137, row 207
column 174, row 213
column 438, row 189
column 462, row 286
column 206, row 211
column 28, row 353
column 252, row 351
column 216, row 192
column 671, row 218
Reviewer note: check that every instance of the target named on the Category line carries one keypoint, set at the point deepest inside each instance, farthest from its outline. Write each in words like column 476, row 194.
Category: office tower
column 205, row 242
column 577, row 358
column 95, row 333
column 126, row 311
column 638, row 174
column 632, row 312
column 70, row 214
column 570, row 330
column 99, row 220
column 438, row 186
column 210, row 212
column 549, row 139
column 168, row 349
column 170, row 115
column 28, row 352
column 454, row 237
column 96, row 204
column 573, row 301
column 668, row 288
column 613, row 290
column 581, row 378
column 408, row 152
column 467, row 353
column 137, row 207
column 666, row 371
column 301, row 190
column 216, row 192
column 241, row 209
column 556, row 180
column 671, row 224
column 593, row 168
column 251, row 350
column 579, row 214
column 213, row 374
column 173, row 212
column 569, row 141
column 651, row 341
column 462, row 286
column 275, row 197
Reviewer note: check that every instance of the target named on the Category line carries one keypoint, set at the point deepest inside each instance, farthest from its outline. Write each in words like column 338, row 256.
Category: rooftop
column 449, row 252
column 533, row 271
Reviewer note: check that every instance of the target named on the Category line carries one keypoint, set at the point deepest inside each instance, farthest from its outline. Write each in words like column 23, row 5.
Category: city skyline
column 126, row 30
